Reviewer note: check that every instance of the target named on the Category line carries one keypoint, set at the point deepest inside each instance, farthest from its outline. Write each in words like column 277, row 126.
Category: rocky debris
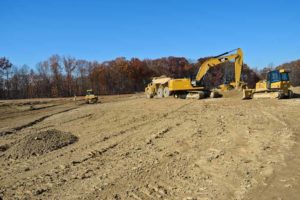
column 6, row 132
column 267, row 172
column 117, row 197
column 190, row 198
column 87, row 174
column 40, row 191
column 40, row 143
column 157, row 135
column 215, row 155
column 27, row 169
column 4, row 147
column 171, row 154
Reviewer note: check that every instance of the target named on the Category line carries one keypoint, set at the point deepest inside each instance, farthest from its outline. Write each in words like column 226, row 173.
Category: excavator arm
column 212, row 62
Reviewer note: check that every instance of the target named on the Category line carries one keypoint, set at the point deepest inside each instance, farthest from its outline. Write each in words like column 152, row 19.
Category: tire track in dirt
column 245, row 184
column 97, row 158
column 142, row 148
column 98, row 153
column 32, row 123
column 80, row 117
column 204, row 150
column 29, row 110
column 106, row 151
column 283, row 178
column 93, row 153
column 124, row 132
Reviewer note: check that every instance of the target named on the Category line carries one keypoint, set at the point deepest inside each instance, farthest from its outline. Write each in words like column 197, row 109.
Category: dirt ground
column 130, row 147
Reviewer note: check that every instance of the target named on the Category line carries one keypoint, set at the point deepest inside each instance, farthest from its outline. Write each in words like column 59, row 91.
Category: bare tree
column 5, row 66
column 69, row 66
column 55, row 66
column 82, row 83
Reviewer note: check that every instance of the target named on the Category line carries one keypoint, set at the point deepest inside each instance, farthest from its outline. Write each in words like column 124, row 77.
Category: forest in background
column 61, row 76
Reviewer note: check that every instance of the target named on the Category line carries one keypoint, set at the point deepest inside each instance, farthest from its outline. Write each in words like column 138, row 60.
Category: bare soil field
column 130, row 147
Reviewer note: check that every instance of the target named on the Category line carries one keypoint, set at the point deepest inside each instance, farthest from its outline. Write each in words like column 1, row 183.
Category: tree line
column 61, row 76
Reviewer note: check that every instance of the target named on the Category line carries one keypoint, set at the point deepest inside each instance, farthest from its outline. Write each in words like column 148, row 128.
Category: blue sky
column 32, row 30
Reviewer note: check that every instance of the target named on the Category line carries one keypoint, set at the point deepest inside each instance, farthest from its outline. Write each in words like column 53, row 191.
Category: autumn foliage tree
column 60, row 76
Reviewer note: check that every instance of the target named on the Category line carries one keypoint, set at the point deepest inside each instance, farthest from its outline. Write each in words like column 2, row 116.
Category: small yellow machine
column 90, row 97
column 192, row 88
column 276, row 85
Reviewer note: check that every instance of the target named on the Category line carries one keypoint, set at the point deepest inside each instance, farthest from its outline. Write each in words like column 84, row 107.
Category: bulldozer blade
column 247, row 94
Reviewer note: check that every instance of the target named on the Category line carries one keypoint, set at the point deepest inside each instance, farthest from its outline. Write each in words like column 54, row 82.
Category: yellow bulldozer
column 193, row 88
column 276, row 85
column 90, row 97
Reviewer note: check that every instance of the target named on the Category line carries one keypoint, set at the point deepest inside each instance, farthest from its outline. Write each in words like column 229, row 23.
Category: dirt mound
column 40, row 143
column 236, row 94
column 296, row 90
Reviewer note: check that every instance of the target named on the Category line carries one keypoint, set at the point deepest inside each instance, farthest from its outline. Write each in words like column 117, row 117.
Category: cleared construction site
column 149, row 100
column 178, row 140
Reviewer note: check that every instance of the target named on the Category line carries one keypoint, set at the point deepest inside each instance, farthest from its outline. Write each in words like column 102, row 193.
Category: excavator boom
column 211, row 62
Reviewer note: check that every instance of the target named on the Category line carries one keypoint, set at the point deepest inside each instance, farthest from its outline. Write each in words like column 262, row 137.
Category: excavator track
column 267, row 95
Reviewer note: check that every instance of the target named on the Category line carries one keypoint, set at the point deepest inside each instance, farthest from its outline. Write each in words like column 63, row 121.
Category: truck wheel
column 166, row 92
column 160, row 92
column 149, row 96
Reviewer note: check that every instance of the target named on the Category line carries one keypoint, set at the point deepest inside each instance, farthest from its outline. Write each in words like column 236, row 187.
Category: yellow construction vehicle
column 90, row 97
column 276, row 85
column 155, row 87
column 193, row 88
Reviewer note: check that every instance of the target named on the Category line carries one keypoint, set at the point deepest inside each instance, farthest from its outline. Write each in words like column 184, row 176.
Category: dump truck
column 193, row 88
column 157, row 87
column 276, row 85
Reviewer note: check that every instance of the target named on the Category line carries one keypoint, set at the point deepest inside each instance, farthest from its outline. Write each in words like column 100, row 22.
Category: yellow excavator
column 193, row 88
column 277, row 85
